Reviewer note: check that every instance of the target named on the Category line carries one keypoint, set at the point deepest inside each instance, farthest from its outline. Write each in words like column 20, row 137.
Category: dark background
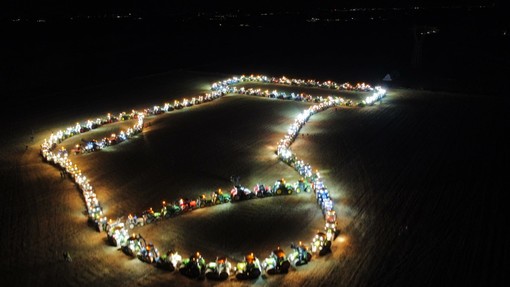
column 52, row 46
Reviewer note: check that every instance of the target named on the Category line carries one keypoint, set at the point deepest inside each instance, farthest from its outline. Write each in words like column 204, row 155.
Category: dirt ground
column 412, row 179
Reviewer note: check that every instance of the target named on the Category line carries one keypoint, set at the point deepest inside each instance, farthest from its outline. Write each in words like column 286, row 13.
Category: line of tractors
column 195, row 265
column 221, row 268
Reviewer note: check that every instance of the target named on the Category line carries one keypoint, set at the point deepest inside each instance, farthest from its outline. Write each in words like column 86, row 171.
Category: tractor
column 321, row 195
column 281, row 187
column 276, row 263
column 331, row 222
column 320, row 244
column 302, row 185
column 262, row 191
column 240, row 192
column 151, row 216
column 116, row 233
column 300, row 254
column 218, row 270
column 193, row 267
column 318, row 184
column 134, row 245
column 248, row 269
column 204, row 201
column 149, row 253
column 133, row 221
column 187, row 204
column 219, row 197
column 169, row 261
column 170, row 210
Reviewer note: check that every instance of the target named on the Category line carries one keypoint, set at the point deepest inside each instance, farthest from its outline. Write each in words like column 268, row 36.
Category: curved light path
column 117, row 231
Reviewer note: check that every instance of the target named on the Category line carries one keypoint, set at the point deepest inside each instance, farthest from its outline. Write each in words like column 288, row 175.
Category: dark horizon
column 160, row 8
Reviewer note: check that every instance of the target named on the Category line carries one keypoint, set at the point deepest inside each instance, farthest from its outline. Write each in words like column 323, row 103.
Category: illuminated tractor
column 125, row 116
column 170, row 210
column 219, row 269
column 330, row 218
column 149, row 253
column 205, row 201
column 276, row 263
column 150, row 216
column 330, row 233
column 327, row 205
column 300, row 254
column 169, row 108
column 331, row 226
column 220, row 197
column 320, row 244
column 187, row 204
column 317, row 184
column 321, row 195
column 262, row 191
column 177, row 105
column 133, row 246
column 297, row 97
column 95, row 214
column 302, row 185
column 113, row 139
column 133, row 221
column 91, row 146
column 193, row 267
column 170, row 261
column 186, row 103
column 280, row 187
column 109, row 119
column 248, row 269
column 194, row 101
column 100, row 224
column 240, row 192
column 77, row 149
column 116, row 234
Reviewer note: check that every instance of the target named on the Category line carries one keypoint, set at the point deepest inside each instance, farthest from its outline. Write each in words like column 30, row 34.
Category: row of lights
column 118, row 231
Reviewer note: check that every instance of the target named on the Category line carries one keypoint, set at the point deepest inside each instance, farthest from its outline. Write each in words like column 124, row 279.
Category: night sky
column 52, row 8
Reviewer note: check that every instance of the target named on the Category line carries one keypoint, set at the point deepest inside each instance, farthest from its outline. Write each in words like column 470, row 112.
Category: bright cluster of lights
column 117, row 231
column 60, row 157
column 283, row 150
column 286, row 81
column 56, row 138
column 378, row 94
column 305, row 169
